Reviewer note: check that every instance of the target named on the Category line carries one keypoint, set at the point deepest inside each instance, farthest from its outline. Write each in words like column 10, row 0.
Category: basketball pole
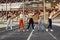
column 44, row 9
column 23, row 6
column 6, row 9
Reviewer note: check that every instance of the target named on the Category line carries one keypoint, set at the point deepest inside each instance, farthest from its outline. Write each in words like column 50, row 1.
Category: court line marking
column 31, row 33
column 52, row 35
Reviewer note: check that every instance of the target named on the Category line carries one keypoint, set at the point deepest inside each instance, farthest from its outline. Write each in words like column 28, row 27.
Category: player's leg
column 22, row 23
column 19, row 25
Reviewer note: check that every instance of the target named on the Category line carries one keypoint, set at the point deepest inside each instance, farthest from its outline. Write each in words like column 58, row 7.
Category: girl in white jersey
column 21, row 22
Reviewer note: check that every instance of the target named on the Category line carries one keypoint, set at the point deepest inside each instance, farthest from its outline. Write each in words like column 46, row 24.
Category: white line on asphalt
column 52, row 35
column 31, row 33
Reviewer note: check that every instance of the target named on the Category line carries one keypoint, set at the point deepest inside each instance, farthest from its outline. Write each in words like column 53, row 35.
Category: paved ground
column 30, row 35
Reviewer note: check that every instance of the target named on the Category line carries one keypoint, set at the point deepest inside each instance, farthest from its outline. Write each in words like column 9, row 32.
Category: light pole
column 44, row 9
column 10, row 6
column 23, row 6
column 6, row 9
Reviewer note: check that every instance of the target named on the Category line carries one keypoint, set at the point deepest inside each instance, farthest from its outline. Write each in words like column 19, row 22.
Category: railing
column 56, row 14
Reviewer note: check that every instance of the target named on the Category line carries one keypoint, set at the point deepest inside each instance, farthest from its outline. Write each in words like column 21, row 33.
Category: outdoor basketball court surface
column 30, row 35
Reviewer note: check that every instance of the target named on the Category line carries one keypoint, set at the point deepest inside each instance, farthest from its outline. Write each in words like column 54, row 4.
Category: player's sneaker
column 18, row 30
column 27, row 30
column 33, row 29
column 23, row 30
column 51, row 30
column 46, row 29
column 38, row 30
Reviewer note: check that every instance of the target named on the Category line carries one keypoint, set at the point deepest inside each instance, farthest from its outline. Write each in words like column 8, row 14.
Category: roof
column 12, row 1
